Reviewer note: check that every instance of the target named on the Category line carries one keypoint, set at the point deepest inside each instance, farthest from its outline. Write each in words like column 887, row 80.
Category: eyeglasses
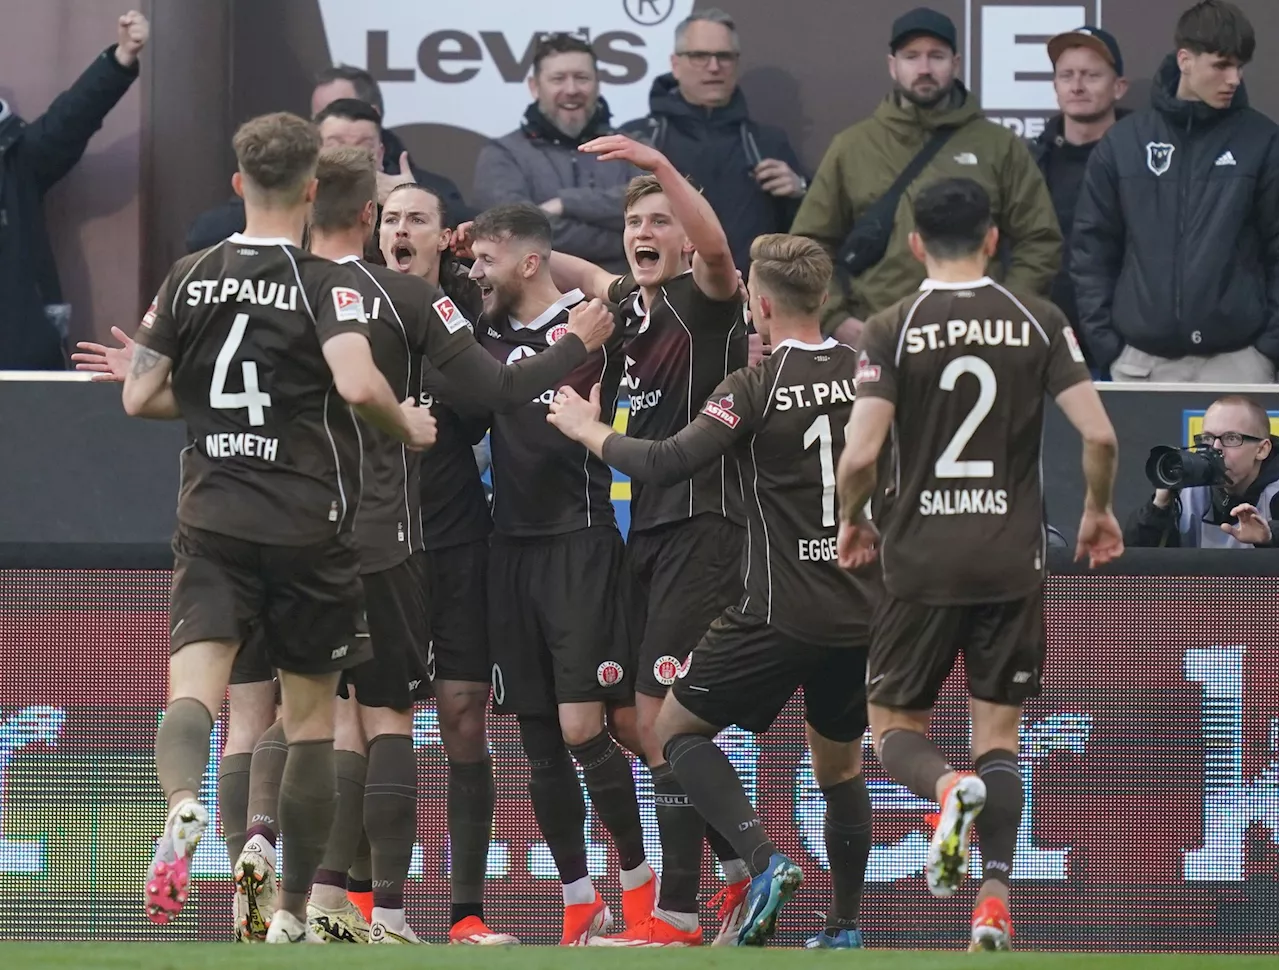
column 1229, row 439
column 703, row 58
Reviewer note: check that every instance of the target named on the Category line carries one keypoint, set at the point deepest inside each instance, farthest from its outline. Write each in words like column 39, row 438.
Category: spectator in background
column 540, row 163
column 348, row 85
column 863, row 161
column 1088, row 79
column 1201, row 517
column 698, row 118
column 1174, row 249
column 34, row 156
column 394, row 164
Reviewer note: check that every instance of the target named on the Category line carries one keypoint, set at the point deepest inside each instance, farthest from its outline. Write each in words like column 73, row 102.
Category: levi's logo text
column 722, row 411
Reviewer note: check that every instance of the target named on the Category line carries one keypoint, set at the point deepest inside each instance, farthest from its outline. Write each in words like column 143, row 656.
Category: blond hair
column 347, row 183
column 793, row 270
column 276, row 154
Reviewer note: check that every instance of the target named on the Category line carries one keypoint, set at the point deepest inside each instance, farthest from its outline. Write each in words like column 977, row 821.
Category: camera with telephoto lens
column 1169, row 467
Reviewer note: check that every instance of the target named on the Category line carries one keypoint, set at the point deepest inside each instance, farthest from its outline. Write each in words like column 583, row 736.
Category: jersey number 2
column 949, row 464
column 820, row 431
column 252, row 397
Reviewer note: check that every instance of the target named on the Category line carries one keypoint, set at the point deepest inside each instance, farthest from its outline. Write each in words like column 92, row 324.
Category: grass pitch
column 215, row 956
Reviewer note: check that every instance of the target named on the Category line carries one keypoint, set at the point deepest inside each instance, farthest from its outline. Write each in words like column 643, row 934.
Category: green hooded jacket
column 862, row 163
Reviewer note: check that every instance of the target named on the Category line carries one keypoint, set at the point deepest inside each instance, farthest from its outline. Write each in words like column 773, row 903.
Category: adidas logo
column 1226, row 158
column 966, row 158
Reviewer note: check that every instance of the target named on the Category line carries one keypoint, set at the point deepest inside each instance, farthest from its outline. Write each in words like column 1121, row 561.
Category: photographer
column 1220, row 495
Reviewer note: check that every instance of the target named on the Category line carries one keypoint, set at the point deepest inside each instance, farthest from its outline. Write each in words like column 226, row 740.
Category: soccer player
column 410, row 320
column 685, row 332
column 557, row 633
column 263, row 349
column 801, row 620
column 958, row 374
column 455, row 522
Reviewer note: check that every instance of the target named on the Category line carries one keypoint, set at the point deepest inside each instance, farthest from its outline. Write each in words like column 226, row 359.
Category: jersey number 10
column 252, row 397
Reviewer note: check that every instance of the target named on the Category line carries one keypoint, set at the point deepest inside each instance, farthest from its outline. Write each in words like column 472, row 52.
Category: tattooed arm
column 148, row 392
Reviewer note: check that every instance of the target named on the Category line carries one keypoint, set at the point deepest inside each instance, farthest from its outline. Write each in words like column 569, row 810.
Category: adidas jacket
column 1174, row 247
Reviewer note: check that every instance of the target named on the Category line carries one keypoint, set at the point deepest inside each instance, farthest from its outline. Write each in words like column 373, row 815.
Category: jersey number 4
column 252, row 397
column 949, row 464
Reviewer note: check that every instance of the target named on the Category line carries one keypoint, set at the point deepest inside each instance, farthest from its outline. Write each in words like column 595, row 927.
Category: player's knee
column 250, row 713
column 542, row 739
column 463, row 736
column 995, row 727
column 887, row 719
column 834, row 762
column 348, row 734
column 579, row 723
column 627, row 727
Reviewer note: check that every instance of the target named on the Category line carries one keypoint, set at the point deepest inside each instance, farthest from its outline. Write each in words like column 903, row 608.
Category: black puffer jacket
column 719, row 149
column 34, row 156
column 1174, row 248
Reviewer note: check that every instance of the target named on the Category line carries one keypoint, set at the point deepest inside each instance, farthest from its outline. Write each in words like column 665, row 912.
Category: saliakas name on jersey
column 241, row 445
column 984, row 333
column 228, row 290
column 964, row 501
column 814, row 395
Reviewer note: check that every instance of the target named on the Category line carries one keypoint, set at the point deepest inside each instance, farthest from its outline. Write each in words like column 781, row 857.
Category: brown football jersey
column 273, row 453
column 783, row 421
column 677, row 352
column 409, row 319
column 967, row 367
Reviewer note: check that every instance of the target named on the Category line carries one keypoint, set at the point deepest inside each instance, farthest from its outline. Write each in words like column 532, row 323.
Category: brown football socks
column 267, row 768
column 182, row 746
column 847, row 831
column 556, row 796
column 607, row 775
column 1002, row 815
column 716, row 792
column 914, row 760
column 233, row 801
column 391, row 815
column 681, row 830
column 308, row 794
column 470, row 806
column 348, row 819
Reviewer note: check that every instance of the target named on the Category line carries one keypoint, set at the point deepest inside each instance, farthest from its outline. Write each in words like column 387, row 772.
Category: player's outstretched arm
column 485, row 384
column 1099, row 536
column 147, row 392
column 571, row 273
column 664, row 462
column 364, row 387
column 713, row 268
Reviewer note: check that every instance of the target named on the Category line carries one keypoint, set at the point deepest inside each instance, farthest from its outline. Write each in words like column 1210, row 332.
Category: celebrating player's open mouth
column 657, row 247
column 412, row 234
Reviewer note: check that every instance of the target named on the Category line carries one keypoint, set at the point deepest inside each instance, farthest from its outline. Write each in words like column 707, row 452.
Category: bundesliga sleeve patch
column 348, row 304
column 149, row 318
column 722, row 411
column 1073, row 345
column 867, row 372
column 450, row 315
